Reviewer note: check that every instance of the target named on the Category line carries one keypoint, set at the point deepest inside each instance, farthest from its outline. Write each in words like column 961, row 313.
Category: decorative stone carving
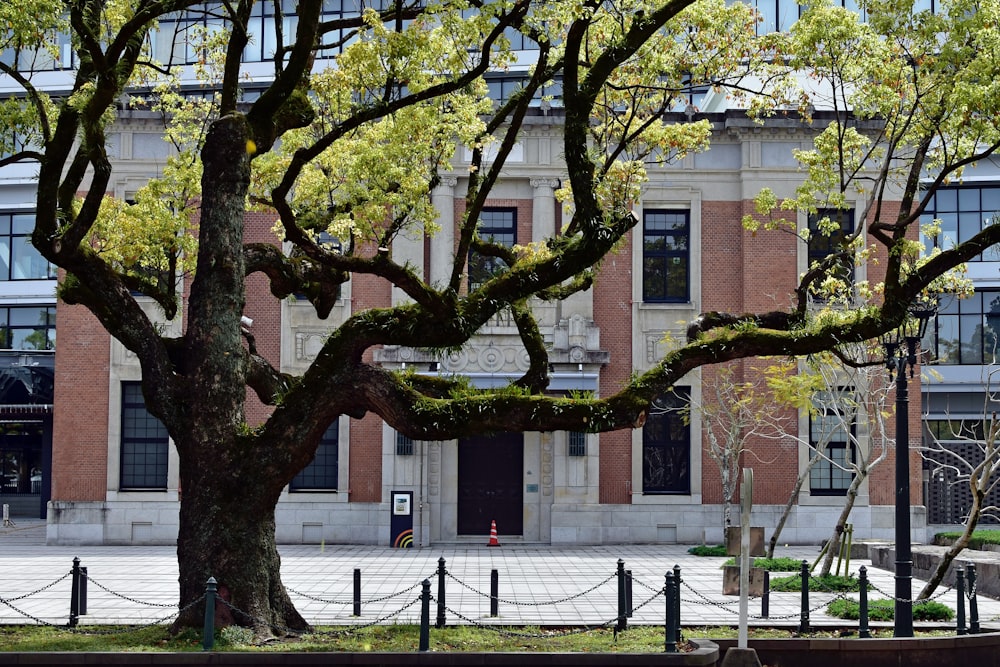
column 491, row 359
column 308, row 344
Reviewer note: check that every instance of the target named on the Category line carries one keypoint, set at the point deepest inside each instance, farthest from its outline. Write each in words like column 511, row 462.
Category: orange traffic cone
column 494, row 542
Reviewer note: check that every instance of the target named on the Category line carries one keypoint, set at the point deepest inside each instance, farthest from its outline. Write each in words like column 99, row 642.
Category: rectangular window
column 828, row 231
column 496, row 225
column 830, row 430
column 666, row 256
column 28, row 328
column 144, row 443
column 965, row 330
column 19, row 260
column 321, row 473
column 962, row 212
column 666, row 446
column 576, row 443
column 404, row 445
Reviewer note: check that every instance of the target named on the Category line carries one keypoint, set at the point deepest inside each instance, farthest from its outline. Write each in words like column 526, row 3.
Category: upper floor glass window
column 19, row 260
column 28, row 328
column 963, row 212
column 965, row 330
column 822, row 245
column 666, row 255
column 496, row 225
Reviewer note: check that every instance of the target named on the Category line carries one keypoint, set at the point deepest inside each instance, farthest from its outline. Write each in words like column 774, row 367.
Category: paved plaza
column 538, row 584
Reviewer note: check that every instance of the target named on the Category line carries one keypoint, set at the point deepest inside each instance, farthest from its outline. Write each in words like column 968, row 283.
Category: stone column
column 443, row 242
column 544, row 203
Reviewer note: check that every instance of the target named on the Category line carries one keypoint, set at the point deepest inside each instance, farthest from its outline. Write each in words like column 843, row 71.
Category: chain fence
column 672, row 592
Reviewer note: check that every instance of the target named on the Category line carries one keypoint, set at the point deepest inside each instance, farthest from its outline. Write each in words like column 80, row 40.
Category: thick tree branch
column 536, row 378
column 320, row 284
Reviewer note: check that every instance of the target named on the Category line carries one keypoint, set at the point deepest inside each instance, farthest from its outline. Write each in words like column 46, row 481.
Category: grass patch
column 382, row 639
column 782, row 564
column 831, row 583
column 978, row 539
column 884, row 610
column 708, row 550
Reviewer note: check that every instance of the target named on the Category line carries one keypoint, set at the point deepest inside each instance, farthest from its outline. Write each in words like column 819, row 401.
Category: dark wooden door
column 490, row 478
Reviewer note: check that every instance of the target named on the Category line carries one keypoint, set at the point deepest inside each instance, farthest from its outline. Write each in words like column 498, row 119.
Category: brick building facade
column 561, row 488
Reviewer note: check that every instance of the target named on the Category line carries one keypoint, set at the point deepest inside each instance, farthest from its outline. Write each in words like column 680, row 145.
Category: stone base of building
column 155, row 523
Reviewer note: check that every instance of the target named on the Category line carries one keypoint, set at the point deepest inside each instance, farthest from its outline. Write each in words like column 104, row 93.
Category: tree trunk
column 227, row 532
column 230, row 480
column 833, row 546
column 793, row 498
column 963, row 541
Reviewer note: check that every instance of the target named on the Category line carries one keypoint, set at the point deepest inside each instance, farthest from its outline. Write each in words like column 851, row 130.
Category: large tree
column 354, row 150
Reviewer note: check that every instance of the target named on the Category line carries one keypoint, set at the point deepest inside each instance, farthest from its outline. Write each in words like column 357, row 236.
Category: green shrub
column 827, row 584
column 234, row 635
column 706, row 550
column 773, row 564
column 978, row 539
column 884, row 610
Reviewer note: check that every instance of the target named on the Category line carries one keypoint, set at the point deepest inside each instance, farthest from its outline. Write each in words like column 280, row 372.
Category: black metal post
column 628, row 593
column 863, row 631
column 440, row 608
column 677, row 598
column 670, row 637
column 960, row 611
column 903, row 619
column 357, row 591
column 622, row 623
column 970, row 574
column 425, row 615
column 74, row 594
column 494, row 593
column 804, row 610
column 208, row 631
column 82, row 604
column 765, row 599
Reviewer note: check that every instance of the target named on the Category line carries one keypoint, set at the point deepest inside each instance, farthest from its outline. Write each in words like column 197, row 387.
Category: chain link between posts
column 329, row 633
column 530, row 604
column 91, row 580
column 347, row 602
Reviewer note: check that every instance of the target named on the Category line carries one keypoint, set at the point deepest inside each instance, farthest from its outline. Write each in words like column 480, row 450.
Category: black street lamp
column 900, row 356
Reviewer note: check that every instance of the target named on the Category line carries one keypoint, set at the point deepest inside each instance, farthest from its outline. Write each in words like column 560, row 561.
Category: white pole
column 746, row 498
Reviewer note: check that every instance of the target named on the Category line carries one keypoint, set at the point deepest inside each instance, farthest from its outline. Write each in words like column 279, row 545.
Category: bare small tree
column 976, row 465
column 847, row 403
column 733, row 414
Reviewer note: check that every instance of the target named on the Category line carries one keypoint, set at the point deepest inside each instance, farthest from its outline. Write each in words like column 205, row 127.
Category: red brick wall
column 613, row 314
column 881, row 482
column 721, row 257
column 264, row 309
column 365, row 460
column 80, row 418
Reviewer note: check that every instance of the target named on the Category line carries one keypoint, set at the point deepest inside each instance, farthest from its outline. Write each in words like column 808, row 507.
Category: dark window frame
column 966, row 332
column 143, row 444
column 16, row 235
column 322, row 475
column 963, row 210
column 404, row 445
column 826, row 478
column 499, row 225
column 820, row 246
column 666, row 447
column 663, row 246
